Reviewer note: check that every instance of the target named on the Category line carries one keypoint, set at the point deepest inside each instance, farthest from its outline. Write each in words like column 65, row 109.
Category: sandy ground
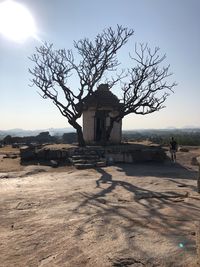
column 123, row 215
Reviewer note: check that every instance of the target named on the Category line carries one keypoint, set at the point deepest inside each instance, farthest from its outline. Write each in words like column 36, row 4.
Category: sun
column 16, row 22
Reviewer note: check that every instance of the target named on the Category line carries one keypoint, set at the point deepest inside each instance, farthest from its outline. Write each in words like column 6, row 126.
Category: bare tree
column 144, row 91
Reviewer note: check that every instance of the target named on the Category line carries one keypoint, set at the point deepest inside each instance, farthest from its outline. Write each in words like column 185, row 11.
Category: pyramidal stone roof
column 102, row 97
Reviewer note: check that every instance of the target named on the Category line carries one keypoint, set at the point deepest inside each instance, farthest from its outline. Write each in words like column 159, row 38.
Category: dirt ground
column 122, row 215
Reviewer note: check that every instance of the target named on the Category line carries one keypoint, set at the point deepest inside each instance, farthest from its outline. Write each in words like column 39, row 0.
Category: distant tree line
column 188, row 138
column 184, row 139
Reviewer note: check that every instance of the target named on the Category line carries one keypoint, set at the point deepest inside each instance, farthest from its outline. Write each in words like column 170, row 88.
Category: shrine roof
column 102, row 97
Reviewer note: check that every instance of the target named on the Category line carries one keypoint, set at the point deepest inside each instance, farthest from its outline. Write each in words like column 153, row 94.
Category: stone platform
column 96, row 156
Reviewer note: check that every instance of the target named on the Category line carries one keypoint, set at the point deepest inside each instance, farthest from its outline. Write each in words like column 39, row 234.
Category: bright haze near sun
column 16, row 21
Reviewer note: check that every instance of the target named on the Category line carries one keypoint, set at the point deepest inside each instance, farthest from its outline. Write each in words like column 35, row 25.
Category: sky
column 171, row 25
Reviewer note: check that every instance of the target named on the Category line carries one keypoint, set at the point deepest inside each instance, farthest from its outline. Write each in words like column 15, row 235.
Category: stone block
column 27, row 153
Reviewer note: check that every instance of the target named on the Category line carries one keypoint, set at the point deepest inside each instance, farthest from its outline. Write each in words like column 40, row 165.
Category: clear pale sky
column 171, row 25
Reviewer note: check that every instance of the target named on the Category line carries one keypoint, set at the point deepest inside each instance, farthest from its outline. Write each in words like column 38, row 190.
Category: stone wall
column 131, row 154
column 112, row 154
column 34, row 153
column 88, row 125
column 116, row 133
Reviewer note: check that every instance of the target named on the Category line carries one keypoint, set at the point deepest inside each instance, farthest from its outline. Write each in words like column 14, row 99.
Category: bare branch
column 101, row 56
column 143, row 93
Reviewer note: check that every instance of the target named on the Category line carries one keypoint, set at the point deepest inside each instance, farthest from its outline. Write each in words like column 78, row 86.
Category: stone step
column 74, row 161
column 84, row 158
column 89, row 164
column 85, row 151
column 101, row 164
column 74, row 157
column 84, row 166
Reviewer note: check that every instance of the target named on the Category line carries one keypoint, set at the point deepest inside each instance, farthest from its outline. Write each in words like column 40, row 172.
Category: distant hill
column 166, row 130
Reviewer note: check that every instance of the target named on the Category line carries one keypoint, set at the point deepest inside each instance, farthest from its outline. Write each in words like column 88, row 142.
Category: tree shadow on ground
column 122, row 206
column 167, row 169
column 142, row 212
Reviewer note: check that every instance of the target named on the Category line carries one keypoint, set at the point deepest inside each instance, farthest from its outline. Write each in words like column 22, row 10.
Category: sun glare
column 16, row 22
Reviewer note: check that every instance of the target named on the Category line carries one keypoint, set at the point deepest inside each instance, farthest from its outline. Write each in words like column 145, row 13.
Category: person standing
column 173, row 149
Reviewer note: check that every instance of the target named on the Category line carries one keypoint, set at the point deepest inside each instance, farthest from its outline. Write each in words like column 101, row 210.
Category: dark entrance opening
column 100, row 126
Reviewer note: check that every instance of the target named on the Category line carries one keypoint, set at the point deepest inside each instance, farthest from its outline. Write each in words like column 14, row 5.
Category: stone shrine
column 98, row 109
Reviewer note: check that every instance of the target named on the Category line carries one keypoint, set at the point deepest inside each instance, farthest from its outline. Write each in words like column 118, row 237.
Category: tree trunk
column 81, row 141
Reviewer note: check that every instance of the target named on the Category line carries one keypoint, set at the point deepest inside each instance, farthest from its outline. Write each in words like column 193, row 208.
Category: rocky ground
column 121, row 215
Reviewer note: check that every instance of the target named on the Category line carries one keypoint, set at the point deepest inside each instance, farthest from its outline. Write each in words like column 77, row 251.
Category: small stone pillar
column 198, row 222
column 198, row 242
column 198, row 178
